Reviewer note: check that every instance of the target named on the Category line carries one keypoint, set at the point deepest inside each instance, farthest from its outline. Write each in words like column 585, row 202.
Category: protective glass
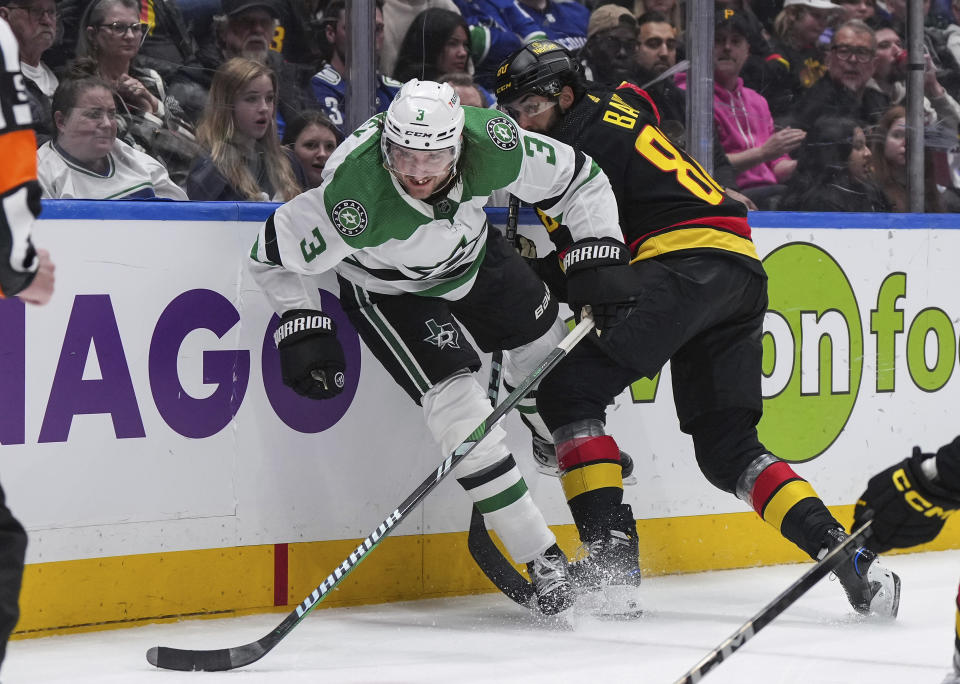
column 527, row 108
column 420, row 163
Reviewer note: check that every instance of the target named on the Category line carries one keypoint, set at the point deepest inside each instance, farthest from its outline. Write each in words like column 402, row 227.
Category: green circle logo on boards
column 812, row 352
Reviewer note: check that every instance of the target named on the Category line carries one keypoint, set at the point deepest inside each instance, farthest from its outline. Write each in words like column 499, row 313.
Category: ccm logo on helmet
column 592, row 252
column 418, row 134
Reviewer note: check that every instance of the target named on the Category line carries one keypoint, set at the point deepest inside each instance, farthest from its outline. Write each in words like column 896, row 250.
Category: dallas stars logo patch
column 349, row 217
column 442, row 335
column 503, row 133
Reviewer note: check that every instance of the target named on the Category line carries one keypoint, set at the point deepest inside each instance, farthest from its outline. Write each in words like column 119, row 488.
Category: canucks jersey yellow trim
column 694, row 238
column 588, row 478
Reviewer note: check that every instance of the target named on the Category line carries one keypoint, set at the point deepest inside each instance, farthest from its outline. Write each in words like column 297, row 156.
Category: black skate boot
column 551, row 581
column 953, row 677
column 609, row 575
column 870, row 587
column 545, row 455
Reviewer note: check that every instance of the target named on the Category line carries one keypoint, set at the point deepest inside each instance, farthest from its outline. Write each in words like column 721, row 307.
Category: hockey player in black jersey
column 690, row 289
column 909, row 503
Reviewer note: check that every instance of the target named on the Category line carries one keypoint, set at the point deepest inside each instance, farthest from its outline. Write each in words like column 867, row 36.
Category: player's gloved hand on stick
column 311, row 358
column 909, row 507
column 549, row 271
column 598, row 274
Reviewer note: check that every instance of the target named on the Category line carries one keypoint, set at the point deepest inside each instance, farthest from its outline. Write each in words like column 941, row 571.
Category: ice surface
column 820, row 640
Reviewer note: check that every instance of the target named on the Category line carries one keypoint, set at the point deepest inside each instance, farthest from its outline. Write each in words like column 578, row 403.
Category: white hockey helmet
column 427, row 116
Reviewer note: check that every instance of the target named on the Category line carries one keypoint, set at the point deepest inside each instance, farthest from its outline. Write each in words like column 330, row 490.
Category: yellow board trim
column 128, row 591
column 786, row 498
column 595, row 476
column 694, row 238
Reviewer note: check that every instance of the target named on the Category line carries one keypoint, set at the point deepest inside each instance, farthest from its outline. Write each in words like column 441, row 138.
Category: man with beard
column 34, row 24
column 329, row 85
column 399, row 218
column 688, row 288
column 245, row 29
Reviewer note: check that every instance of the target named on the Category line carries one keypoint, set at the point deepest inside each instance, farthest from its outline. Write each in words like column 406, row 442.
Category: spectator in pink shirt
column 742, row 118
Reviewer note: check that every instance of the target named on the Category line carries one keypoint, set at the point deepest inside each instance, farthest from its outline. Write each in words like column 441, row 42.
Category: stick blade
column 216, row 660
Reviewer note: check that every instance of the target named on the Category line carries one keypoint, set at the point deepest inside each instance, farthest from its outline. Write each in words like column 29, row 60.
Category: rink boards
column 162, row 469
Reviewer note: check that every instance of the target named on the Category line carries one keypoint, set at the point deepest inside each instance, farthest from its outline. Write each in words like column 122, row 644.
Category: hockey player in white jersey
column 399, row 218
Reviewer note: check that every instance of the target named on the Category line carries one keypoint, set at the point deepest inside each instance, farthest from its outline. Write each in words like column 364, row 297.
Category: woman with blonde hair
column 238, row 130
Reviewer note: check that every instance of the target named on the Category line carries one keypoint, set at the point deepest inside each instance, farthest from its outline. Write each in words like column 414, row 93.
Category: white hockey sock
column 453, row 409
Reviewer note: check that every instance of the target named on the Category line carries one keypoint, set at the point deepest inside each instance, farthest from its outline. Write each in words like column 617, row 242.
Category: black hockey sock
column 806, row 525
column 597, row 512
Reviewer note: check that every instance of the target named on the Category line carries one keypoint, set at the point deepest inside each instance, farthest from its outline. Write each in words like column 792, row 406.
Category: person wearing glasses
column 610, row 53
column 845, row 90
column 34, row 25
column 149, row 119
column 689, row 289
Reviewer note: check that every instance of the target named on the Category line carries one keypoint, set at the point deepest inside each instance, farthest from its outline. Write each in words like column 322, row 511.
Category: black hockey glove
column 908, row 509
column 311, row 358
column 598, row 274
column 548, row 270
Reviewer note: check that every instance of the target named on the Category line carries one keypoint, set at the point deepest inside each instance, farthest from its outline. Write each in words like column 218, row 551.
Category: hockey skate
column 551, row 581
column 870, row 587
column 608, row 577
column 953, row 677
column 545, row 456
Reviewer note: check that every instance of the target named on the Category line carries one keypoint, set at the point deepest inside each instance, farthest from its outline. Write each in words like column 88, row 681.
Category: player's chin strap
column 487, row 556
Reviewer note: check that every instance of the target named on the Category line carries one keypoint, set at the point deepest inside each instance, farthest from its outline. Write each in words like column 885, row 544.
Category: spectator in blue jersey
column 498, row 28
column 437, row 42
column 564, row 22
column 313, row 138
column 86, row 161
column 238, row 130
column 329, row 85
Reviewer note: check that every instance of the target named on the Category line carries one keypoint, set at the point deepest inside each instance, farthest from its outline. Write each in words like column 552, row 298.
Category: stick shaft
column 232, row 658
column 773, row 609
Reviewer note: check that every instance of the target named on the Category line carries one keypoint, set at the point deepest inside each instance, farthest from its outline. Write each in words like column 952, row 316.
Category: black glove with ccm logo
column 598, row 274
column 311, row 358
column 909, row 507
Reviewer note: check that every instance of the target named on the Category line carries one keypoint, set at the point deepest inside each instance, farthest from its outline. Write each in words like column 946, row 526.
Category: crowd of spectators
column 246, row 99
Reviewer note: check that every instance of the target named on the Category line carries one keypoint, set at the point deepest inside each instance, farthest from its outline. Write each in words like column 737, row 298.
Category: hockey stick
column 230, row 658
column 773, row 609
column 485, row 553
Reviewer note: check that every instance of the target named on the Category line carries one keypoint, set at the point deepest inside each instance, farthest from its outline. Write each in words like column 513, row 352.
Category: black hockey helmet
column 540, row 67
